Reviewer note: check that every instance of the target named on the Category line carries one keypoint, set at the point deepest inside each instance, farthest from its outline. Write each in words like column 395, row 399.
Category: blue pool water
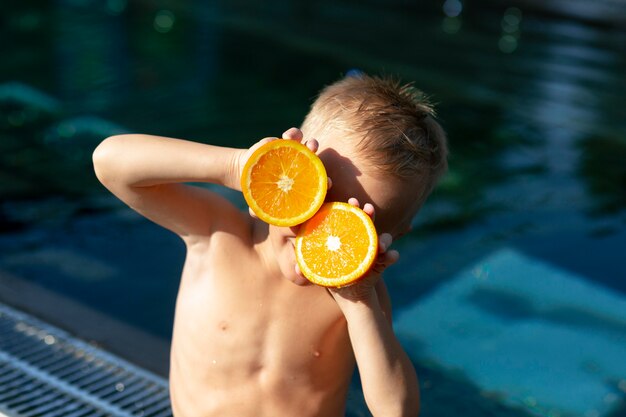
column 509, row 293
column 520, row 327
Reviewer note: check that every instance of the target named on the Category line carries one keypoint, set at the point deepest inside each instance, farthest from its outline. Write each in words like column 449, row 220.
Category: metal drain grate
column 45, row 372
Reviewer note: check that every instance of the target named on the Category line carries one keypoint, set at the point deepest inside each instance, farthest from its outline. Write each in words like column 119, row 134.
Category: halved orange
column 337, row 246
column 284, row 182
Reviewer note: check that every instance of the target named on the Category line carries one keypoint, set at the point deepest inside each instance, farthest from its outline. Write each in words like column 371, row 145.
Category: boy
column 250, row 337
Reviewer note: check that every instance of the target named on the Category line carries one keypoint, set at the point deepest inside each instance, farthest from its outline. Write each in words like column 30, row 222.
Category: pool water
column 516, row 258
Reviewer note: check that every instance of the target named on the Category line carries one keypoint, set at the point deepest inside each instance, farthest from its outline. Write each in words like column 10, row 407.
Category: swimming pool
column 534, row 107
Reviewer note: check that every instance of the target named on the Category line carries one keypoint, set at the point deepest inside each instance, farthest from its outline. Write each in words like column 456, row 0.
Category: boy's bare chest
column 234, row 326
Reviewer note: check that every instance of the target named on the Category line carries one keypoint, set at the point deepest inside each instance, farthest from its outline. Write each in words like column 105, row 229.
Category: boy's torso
column 246, row 344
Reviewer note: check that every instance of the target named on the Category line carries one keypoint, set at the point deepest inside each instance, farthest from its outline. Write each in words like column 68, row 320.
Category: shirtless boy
column 251, row 337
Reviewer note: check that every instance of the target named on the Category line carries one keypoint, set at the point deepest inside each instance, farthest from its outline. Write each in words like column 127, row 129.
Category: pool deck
column 44, row 371
column 136, row 346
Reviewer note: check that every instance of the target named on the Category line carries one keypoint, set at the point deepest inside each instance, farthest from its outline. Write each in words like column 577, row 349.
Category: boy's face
column 395, row 201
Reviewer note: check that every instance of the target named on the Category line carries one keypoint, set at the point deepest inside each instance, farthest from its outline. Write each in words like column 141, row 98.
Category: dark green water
column 533, row 105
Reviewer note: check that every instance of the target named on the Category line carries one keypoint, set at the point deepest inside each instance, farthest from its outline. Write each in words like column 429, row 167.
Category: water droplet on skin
column 317, row 354
column 214, row 362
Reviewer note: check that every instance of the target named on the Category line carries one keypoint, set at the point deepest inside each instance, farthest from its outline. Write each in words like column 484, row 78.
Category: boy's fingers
column 391, row 257
column 294, row 133
column 252, row 213
column 369, row 209
column 384, row 241
column 385, row 260
column 313, row 145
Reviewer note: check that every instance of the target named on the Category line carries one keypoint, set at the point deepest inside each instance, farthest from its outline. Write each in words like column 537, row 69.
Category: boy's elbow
column 104, row 156
column 99, row 159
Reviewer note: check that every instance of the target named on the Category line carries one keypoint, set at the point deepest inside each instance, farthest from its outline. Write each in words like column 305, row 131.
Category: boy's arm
column 388, row 377
column 146, row 172
column 390, row 384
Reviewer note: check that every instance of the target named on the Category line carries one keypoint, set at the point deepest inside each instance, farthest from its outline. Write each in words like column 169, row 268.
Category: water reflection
column 544, row 116
column 553, row 96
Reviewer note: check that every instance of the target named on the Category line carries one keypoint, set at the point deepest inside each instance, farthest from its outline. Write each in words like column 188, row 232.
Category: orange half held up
column 337, row 246
column 284, row 182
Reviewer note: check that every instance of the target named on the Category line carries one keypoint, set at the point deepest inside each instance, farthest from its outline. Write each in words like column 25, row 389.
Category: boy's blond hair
column 393, row 123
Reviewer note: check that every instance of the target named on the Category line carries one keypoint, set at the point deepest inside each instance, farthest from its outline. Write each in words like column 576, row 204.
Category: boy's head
column 380, row 143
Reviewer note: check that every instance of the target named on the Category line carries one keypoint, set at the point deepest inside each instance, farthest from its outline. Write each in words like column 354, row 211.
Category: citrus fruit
column 337, row 246
column 284, row 182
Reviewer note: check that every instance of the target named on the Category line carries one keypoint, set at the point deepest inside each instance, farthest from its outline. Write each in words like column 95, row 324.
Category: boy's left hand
column 365, row 286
